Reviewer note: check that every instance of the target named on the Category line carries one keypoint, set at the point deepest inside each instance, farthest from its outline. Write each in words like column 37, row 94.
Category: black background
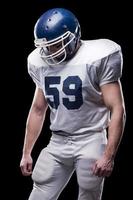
column 98, row 20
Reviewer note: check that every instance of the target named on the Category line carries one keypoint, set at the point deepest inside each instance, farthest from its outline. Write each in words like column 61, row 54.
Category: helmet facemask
column 55, row 51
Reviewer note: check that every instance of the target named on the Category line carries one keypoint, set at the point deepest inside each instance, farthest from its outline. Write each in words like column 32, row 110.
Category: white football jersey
column 72, row 88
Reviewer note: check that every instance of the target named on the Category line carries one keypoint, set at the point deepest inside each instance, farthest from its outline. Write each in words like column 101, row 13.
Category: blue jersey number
column 49, row 81
column 72, row 86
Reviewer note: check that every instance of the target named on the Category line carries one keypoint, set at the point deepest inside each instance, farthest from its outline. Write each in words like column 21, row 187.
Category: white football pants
column 57, row 162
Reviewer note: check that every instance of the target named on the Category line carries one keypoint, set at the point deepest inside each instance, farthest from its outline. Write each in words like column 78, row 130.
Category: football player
column 79, row 80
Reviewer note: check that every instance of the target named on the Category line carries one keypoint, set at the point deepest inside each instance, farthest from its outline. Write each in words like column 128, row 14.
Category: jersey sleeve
column 34, row 73
column 110, row 69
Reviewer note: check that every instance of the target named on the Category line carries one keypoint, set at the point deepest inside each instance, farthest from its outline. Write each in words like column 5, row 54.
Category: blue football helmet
column 57, row 33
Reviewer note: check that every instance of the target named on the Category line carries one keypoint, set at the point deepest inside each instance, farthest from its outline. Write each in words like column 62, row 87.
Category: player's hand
column 26, row 165
column 103, row 167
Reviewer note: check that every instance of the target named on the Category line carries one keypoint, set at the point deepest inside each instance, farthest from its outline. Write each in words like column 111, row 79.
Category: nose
column 54, row 48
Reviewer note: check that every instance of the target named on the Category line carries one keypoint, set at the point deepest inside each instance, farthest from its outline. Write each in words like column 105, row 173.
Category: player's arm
column 33, row 128
column 113, row 98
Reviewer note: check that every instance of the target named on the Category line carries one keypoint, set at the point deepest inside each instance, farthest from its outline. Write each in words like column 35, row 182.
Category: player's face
column 54, row 52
